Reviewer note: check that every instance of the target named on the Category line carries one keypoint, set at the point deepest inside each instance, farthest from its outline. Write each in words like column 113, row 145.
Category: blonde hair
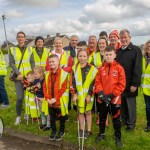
column 39, row 69
column 145, row 46
column 56, row 39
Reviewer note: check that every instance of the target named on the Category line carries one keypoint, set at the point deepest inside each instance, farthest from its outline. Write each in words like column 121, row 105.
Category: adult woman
column 146, row 81
column 65, row 58
column 97, row 57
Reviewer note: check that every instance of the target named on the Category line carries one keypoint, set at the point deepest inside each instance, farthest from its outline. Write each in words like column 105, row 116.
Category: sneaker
column 18, row 120
column 5, row 106
column 118, row 143
column 42, row 126
column 80, row 134
column 59, row 136
column 46, row 128
column 147, row 129
column 52, row 136
column 100, row 137
column 87, row 134
column 26, row 117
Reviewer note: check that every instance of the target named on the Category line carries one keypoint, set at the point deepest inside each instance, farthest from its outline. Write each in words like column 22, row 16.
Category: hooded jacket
column 111, row 80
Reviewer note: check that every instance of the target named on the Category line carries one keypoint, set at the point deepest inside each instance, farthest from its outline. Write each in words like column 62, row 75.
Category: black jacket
column 71, row 49
column 131, row 60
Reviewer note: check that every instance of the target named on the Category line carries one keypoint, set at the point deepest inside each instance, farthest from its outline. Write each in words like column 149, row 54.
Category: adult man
column 92, row 44
column 39, row 52
column 73, row 43
column 130, row 57
column 16, row 53
column 114, row 40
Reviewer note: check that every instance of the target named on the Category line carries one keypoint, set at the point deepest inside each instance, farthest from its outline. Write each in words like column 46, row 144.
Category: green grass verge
column 137, row 139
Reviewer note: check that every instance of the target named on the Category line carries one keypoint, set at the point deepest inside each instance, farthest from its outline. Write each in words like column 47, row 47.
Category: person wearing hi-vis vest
column 82, row 82
column 27, row 64
column 40, row 53
column 97, row 59
column 146, row 82
column 56, row 92
column 3, row 72
column 66, row 61
column 30, row 104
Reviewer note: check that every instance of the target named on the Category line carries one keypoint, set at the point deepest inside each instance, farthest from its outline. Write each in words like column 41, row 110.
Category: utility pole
column 4, row 17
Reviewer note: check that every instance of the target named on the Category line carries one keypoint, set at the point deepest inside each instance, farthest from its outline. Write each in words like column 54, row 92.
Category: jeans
column 3, row 93
column 147, row 102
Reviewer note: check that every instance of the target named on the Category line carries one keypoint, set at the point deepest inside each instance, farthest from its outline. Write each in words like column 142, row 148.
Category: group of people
column 107, row 71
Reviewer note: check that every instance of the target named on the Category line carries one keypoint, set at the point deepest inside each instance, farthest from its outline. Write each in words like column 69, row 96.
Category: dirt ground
column 13, row 143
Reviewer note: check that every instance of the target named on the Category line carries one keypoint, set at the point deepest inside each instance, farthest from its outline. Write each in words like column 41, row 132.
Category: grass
column 137, row 139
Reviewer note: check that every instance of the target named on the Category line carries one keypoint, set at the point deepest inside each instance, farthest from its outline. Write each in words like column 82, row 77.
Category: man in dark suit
column 73, row 43
column 130, row 57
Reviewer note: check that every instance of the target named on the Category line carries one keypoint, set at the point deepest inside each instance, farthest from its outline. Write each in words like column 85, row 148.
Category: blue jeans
column 147, row 102
column 3, row 93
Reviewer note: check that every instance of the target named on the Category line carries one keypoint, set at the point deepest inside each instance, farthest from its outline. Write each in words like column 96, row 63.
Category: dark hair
column 103, row 33
column 53, row 56
column 21, row 32
column 109, row 49
column 98, row 42
column 39, row 38
column 82, row 43
column 30, row 73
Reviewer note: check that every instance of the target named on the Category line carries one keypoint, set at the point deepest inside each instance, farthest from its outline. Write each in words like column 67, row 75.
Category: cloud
column 14, row 13
column 34, row 3
column 102, row 11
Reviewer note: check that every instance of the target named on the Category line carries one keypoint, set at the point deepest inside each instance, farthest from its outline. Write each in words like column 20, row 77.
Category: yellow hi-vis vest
column 145, row 77
column 63, row 59
column 40, row 61
column 31, row 108
column 82, row 89
column 64, row 99
column 3, row 70
column 25, row 65
column 95, row 59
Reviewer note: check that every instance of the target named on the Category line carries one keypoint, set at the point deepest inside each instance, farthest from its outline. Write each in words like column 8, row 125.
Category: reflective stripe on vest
column 30, row 105
column 145, row 77
column 65, row 97
column 3, row 69
column 82, row 90
column 25, row 65
column 97, row 59
column 41, row 61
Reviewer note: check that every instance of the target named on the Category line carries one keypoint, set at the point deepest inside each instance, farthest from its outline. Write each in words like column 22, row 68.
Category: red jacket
column 117, row 47
column 111, row 80
column 53, row 90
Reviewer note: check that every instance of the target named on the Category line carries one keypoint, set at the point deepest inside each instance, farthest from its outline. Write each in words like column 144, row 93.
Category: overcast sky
column 81, row 17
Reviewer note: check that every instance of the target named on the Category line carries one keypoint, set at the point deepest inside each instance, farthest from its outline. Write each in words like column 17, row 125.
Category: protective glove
column 102, row 96
column 109, row 98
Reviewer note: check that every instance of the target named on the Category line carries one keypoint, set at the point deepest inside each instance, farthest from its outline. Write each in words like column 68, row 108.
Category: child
column 82, row 88
column 30, row 105
column 56, row 93
column 109, row 85
column 38, row 83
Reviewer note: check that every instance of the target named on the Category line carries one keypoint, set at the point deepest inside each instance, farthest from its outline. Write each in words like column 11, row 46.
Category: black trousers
column 114, row 110
column 128, row 111
column 54, row 114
